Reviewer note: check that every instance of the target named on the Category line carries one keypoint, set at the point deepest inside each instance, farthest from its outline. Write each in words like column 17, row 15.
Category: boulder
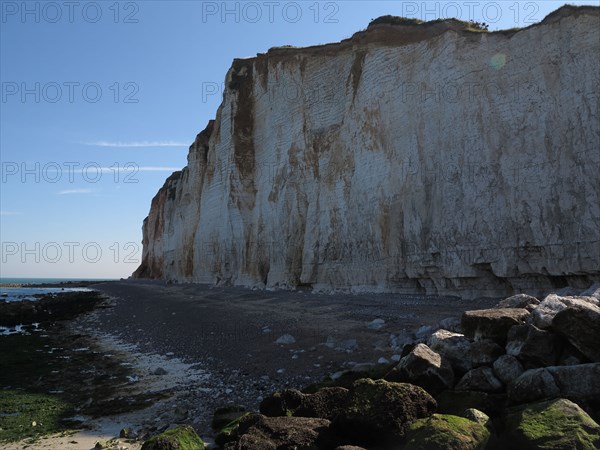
column 128, row 433
column 532, row 385
column 532, row 346
column 580, row 324
column 286, row 339
column 544, row 314
column 376, row 324
column 557, row 424
column 519, row 301
column 581, row 382
column 492, row 323
column 477, row 416
column 570, row 356
column 450, row 324
column 181, row 438
column 326, row 403
column 271, row 433
column 508, row 368
column 426, row 368
column 456, row 348
column 547, row 309
column 282, row 403
column 578, row 383
column 480, row 379
column 400, row 340
column 159, row 371
column 423, row 333
column 485, row 352
column 441, row 432
column 379, row 409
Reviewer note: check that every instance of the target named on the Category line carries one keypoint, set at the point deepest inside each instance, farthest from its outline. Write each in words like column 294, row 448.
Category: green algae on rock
column 557, row 424
column 446, row 432
column 225, row 415
column 181, row 438
column 229, row 432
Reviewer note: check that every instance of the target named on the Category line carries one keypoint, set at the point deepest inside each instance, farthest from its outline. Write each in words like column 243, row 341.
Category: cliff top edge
column 395, row 30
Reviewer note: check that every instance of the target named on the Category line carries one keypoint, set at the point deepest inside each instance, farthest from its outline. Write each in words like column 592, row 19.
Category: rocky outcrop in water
column 410, row 157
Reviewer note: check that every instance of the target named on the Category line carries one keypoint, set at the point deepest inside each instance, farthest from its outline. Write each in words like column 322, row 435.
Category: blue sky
column 100, row 101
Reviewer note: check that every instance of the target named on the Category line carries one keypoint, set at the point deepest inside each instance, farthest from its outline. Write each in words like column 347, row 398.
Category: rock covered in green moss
column 226, row 414
column 379, row 409
column 557, row 424
column 181, row 438
column 446, row 432
column 229, row 432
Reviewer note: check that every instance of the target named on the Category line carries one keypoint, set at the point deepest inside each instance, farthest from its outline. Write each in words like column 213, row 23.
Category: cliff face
column 408, row 158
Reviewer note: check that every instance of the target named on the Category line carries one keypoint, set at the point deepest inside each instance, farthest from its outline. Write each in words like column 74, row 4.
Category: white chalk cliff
column 408, row 158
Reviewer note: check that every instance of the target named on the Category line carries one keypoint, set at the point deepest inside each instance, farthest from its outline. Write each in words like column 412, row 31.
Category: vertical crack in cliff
column 243, row 121
column 356, row 71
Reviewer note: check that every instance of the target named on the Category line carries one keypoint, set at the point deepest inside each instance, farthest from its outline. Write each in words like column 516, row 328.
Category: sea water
column 11, row 293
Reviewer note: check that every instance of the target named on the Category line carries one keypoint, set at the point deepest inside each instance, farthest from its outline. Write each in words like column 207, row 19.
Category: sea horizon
column 40, row 280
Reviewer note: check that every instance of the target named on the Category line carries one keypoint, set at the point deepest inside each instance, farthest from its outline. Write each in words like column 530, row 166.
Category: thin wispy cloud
column 10, row 213
column 75, row 191
column 158, row 169
column 92, row 168
column 137, row 144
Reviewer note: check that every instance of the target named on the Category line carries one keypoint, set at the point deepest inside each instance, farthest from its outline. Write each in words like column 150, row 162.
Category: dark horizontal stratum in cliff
column 410, row 157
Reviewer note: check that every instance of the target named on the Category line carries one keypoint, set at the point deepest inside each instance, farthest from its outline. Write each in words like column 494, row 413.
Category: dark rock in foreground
column 327, row 403
column 273, row 433
column 378, row 409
